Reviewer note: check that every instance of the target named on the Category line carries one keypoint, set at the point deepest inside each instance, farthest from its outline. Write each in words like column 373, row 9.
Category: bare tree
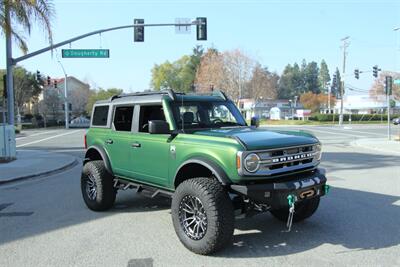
column 238, row 68
column 210, row 73
column 79, row 99
column 378, row 87
column 50, row 105
column 263, row 84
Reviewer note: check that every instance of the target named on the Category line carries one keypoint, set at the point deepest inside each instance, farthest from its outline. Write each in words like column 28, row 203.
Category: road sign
column 183, row 29
column 396, row 81
column 85, row 53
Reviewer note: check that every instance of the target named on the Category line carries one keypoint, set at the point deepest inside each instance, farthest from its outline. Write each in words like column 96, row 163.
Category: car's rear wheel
column 97, row 186
column 303, row 210
column 202, row 215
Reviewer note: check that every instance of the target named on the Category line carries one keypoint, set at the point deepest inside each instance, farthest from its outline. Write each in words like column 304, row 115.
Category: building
column 261, row 108
column 50, row 102
column 362, row 104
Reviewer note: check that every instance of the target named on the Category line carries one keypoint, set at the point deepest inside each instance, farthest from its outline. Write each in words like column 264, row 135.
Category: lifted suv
column 199, row 150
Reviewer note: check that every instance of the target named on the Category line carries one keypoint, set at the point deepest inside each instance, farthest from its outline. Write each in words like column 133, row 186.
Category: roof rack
column 168, row 92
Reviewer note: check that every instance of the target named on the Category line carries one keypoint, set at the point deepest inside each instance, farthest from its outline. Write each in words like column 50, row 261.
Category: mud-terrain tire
column 97, row 186
column 214, row 214
column 303, row 210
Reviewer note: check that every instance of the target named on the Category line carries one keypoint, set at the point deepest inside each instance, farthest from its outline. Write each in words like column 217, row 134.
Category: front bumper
column 274, row 194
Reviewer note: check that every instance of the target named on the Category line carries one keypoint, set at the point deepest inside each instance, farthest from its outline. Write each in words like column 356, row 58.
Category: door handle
column 109, row 141
column 135, row 145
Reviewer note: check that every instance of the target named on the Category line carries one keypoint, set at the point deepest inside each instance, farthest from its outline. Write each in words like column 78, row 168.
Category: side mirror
column 158, row 127
column 255, row 121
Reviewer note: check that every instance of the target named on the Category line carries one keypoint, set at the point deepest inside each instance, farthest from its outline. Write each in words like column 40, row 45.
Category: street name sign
column 85, row 53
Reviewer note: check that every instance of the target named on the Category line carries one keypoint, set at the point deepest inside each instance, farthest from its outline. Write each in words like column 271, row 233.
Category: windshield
column 198, row 115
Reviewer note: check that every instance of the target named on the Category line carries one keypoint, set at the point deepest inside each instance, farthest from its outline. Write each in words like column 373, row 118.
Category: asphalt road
column 44, row 222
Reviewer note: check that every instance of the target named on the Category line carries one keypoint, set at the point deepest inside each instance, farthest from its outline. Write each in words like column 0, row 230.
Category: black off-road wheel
column 202, row 215
column 303, row 210
column 97, row 186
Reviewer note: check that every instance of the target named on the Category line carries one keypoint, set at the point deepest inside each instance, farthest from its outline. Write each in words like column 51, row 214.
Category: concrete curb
column 69, row 164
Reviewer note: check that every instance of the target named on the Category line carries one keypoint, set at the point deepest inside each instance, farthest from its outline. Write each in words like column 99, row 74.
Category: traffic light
column 48, row 81
column 375, row 71
column 139, row 31
column 201, row 29
column 357, row 73
column 388, row 85
column 55, row 84
column 5, row 86
column 38, row 76
column 334, row 81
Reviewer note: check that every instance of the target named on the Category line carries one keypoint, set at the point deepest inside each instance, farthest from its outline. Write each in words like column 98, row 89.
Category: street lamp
column 65, row 94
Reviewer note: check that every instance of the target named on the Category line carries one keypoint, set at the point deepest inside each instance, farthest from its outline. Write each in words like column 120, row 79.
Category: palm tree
column 18, row 15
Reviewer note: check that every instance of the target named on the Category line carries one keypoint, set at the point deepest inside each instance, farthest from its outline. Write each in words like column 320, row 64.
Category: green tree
column 178, row 75
column 336, row 88
column 323, row 76
column 310, row 76
column 101, row 94
column 26, row 87
column 24, row 13
column 291, row 82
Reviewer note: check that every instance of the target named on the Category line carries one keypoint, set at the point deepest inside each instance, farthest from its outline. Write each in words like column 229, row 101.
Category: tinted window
column 148, row 113
column 123, row 118
column 100, row 115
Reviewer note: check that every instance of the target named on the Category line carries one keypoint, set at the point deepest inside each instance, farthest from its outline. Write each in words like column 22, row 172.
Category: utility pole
column 346, row 44
column 66, row 105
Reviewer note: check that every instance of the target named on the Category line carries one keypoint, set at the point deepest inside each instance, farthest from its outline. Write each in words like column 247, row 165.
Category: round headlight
column 318, row 152
column 252, row 162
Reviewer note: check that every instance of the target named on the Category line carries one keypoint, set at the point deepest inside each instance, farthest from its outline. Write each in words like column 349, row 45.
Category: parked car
column 80, row 122
column 199, row 150
column 396, row 121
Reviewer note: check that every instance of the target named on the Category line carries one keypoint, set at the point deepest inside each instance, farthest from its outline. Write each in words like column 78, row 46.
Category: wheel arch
column 98, row 153
column 200, row 167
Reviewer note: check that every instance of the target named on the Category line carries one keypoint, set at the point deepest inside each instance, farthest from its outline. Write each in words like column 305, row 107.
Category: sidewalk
column 379, row 144
column 33, row 163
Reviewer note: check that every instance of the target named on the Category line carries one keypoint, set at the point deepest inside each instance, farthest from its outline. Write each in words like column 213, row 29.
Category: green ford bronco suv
column 199, row 150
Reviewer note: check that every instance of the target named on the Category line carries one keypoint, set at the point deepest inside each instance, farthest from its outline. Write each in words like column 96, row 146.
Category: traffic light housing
column 375, row 71
column 48, row 81
column 38, row 76
column 55, row 84
column 201, row 29
column 334, row 81
column 388, row 85
column 5, row 86
column 138, row 31
column 357, row 74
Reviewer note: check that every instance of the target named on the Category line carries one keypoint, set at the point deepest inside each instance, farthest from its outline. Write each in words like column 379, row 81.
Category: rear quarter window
column 100, row 116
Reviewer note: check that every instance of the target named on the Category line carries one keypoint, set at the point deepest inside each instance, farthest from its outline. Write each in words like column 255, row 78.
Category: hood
column 257, row 139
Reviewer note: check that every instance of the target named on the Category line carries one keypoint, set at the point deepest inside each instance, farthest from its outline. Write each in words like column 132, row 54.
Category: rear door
column 119, row 141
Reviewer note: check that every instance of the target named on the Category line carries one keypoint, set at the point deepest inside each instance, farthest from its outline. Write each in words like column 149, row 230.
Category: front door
column 150, row 151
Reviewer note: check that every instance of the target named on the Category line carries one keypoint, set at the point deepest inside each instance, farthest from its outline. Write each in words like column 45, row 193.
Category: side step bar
column 148, row 190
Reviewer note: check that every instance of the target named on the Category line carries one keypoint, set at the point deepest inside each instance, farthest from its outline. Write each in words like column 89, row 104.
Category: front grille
column 282, row 160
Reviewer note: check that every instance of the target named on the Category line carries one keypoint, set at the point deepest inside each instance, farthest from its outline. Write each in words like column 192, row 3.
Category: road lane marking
column 48, row 138
column 334, row 133
column 36, row 134
column 351, row 130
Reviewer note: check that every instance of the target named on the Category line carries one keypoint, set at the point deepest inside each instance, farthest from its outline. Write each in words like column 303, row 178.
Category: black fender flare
column 104, row 156
column 215, row 168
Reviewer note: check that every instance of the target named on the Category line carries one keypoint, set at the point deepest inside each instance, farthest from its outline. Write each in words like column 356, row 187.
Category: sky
column 275, row 33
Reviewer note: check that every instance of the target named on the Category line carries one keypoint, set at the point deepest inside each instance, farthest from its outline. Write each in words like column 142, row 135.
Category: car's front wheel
column 202, row 215
column 97, row 186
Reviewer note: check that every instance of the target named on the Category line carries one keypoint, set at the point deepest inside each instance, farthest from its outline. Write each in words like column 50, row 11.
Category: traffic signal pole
column 13, row 61
column 345, row 45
